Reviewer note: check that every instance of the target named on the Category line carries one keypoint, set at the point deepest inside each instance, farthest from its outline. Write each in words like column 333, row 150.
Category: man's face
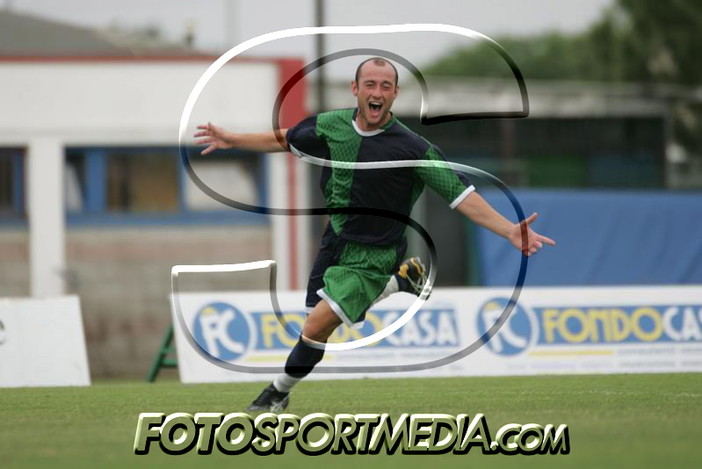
column 375, row 92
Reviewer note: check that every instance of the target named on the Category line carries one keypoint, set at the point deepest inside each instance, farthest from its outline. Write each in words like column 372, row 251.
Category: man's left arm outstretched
column 478, row 210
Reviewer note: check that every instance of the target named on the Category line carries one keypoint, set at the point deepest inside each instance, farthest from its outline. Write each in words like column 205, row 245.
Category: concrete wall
column 14, row 262
column 127, row 103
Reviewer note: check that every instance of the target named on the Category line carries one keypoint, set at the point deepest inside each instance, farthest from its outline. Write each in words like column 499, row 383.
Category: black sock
column 302, row 359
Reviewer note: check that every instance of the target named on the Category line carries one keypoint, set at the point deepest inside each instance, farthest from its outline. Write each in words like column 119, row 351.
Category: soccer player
column 360, row 260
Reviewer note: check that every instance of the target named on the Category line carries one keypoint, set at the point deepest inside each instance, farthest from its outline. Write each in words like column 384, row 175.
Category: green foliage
column 635, row 41
column 548, row 56
column 663, row 39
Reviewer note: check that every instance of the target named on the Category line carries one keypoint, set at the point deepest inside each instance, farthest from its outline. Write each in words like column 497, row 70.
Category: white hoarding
column 550, row 330
column 42, row 343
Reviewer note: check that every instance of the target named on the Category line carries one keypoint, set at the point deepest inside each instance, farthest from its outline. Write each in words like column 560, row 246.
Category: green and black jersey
column 334, row 136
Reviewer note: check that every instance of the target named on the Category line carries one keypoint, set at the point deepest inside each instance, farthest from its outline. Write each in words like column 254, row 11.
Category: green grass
column 621, row 421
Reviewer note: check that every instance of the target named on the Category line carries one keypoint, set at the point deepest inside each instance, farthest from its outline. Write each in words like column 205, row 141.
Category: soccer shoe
column 271, row 400
column 411, row 276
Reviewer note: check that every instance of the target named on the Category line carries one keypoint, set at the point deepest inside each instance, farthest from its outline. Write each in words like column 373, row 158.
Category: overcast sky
column 221, row 24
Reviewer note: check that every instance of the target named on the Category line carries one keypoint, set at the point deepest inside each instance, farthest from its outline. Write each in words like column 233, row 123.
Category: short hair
column 378, row 61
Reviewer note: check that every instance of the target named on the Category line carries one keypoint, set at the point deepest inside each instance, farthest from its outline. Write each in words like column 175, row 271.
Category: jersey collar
column 371, row 133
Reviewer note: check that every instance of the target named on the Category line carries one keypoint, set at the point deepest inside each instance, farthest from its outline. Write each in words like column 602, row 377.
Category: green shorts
column 358, row 277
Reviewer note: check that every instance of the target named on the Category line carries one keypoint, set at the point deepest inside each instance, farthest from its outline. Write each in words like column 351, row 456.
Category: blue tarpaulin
column 604, row 238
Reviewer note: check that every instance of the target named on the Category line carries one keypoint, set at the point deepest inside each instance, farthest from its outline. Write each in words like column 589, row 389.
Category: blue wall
column 604, row 238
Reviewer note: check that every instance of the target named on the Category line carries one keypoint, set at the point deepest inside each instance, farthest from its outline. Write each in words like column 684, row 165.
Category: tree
column 635, row 41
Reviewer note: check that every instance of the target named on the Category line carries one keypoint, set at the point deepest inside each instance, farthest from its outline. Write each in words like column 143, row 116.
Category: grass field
column 636, row 421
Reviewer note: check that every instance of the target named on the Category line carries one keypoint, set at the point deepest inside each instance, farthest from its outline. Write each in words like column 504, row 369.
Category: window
column 234, row 177
column 74, row 182
column 150, row 185
column 11, row 185
column 142, row 182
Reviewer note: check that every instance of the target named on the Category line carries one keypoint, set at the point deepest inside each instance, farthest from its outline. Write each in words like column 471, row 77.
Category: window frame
column 94, row 192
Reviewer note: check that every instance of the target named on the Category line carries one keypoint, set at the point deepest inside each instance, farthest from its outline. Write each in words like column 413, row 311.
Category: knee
column 320, row 323
column 316, row 332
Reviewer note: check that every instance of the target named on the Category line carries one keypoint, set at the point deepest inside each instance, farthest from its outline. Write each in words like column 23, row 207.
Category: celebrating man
column 360, row 260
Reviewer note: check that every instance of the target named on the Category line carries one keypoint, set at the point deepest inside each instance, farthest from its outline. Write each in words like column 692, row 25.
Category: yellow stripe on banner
column 275, row 358
column 553, row 353
column 267, row 358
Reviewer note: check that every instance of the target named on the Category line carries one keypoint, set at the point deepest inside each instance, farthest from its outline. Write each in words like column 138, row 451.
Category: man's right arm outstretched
column 217, row 138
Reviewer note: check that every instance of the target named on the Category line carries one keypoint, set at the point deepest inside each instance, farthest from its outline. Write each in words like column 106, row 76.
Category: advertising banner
column 549, row 331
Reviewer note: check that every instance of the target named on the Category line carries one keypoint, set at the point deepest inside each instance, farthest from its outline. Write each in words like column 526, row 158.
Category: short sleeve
column 304, row 138
column 452, row 185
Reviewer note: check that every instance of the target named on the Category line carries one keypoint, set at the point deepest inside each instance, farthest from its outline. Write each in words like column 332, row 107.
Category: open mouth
column 375, row 108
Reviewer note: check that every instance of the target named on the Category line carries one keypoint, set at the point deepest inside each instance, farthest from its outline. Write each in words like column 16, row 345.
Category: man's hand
column 215, row 137
column 534, row 240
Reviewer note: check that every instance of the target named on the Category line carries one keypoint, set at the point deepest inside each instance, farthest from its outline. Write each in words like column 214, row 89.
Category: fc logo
column 515, row 335
column 223, row 331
